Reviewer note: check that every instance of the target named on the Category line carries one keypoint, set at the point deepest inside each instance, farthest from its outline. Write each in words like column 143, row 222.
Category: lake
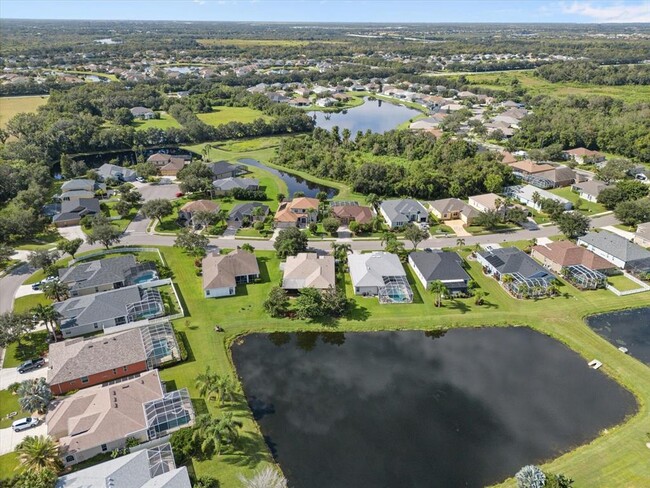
column 294, row 183
column 386, row 409
column 375, row 115
column 627, row 328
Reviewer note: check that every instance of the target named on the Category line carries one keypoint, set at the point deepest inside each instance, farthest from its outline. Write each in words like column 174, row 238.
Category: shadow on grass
column 462, row 307
column 190, row 353
column 248, row 452
column 31, row 346
column 181, row 299
column 170, row 385
column 357, row 312
column 200, row 406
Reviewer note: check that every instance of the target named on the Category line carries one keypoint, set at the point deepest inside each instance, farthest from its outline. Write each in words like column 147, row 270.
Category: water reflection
column 628, row 328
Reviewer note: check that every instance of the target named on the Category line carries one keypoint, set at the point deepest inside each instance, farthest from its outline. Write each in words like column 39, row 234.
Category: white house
column 380, row 273
column 397, row 213
column 527, row 194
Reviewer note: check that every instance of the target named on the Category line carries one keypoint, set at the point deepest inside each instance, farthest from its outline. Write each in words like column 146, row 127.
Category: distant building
column 75, row 209
column 589, row 190
column 562, row 254
column 486, row 202
column 143, row 113
column 116, row 172
column 167, row 164
column 582, row 155
column 453, row 209
column 224, row 169
column 353, row 213
column 187, row 211
column 298, row 212
column 227, row 185
column 243, row 211
column 642, row 235
column 532, row 196
column 617, row 250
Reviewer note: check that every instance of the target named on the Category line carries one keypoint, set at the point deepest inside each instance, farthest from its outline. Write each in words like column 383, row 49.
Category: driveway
column 457, row 226
column 10, row 439
column 152, row 192
column 72, row 232
column 11, row 375
column 24, row 290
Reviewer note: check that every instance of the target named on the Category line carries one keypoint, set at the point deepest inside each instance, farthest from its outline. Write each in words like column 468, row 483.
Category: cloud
column 612, row 12
column 199, row 2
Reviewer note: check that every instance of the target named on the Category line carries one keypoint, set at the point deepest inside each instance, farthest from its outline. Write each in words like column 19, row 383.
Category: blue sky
column 334, row 10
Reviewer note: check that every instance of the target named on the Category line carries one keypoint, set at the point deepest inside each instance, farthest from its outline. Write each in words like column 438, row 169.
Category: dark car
column 31, row 364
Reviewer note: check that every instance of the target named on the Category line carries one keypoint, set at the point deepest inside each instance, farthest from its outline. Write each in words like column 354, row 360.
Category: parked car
column 641, row 177
column 36, row 286
column 24, row 424
column 140, row 179
column 180, row 194
column 31, row 364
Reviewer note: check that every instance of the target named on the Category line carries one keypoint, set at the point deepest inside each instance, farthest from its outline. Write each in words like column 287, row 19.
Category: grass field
column 164, row 122
column 223, row 115
column 8, row 404
column 586, row 207
column 10, row 106
column 621, row 283
column 537, row 86
column 9, row 465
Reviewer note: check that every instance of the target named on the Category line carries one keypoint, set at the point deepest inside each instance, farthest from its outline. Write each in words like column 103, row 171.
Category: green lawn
column 164, row 122
column 44, row 240
column 223, row 115
column 9, row 465
column 30, row 346
column 586, row 207
column 10, row 106
column 621, row 283
column 8, row 403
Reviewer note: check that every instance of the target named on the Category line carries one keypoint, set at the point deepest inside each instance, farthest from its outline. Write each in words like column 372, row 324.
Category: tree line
column 589, row 72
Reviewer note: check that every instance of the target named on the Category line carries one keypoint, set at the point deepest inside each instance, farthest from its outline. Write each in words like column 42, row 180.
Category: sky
column 383, row 11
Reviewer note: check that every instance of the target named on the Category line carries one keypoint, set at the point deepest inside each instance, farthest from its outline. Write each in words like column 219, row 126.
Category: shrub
column 182, row 346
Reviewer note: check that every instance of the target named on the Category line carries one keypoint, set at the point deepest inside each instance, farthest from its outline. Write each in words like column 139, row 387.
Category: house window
column 114, row 371
column 84, row 379
column 96, row 326
column 104, row 448
column 125, row 368
column 69, row 459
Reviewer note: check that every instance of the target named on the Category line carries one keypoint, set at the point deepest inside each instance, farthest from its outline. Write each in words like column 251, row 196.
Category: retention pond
column 628, row 328
column 384, row 409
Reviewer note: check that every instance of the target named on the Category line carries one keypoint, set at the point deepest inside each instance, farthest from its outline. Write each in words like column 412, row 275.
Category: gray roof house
column 224, row 169
column 380, row 274
column 528, row 276
column 73, row 210
column 119, row 173
column 400, row 212
column 430, row 266
column 106, row 274
column 642, row 235
column 526, row 195
column 226, row 185
column 242, row 210
column 589, row 190
column 616, row 249
column 143, row 113
column 147, row 468
column 92, row 313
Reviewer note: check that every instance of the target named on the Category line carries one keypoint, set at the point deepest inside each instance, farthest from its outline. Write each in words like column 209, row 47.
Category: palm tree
column 460, row 242
column 213, row 432
column 225, row 389
column 478, row 297
column 38, row 454
column 206, row 150
column 34, row 395
column 268, row 477
column 439, row 289
column 228, row 428
column 257, row 213
column 206, row 383
column 56, row 290
column 340, row 252
column 49, row 316
column 373, row 200
column 536, row 198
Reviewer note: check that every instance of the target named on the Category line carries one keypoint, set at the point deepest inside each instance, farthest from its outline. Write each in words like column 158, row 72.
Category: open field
column 10, row 106
column 164, row 122
column 223, row 115
column 539, row 86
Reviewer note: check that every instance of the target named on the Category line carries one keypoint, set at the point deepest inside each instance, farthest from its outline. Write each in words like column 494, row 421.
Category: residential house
column 397, row 213
column 227, row 185
column 186, row 212
column 147, row 468
column 79, row 188
column 532, row 196
column 557, row 177
column 617, row 249
column 75, row 209
column 101, row 311
column 298, row 212
column 222, row 273
column 326, row 102
column 428, row 123
column 519, row 273
column 246, row 211
column 590, row 189
column 143, row 113
column 348, row 212
column 224, row 169
column 299, row 102
column 453, row 209
column 526, row 167
column 101, row 418
column 80, row 363
column 487, row 202
column 582, row 155
column 562, row 254
column 444, row 266
column 167, row 164
column 642, row 235
column 115, row 172
column 302, row 92
column 380, row 274
column 508, row 158
column 89, row 277
column 276, row 97
column 308, row 270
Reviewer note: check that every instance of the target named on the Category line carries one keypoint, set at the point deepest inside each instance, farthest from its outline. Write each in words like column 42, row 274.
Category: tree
column 123, row 208
column 331, row 224
column 247, row 247
column 70, row 246
column 205, row 218
column 354, row 227
column 313, row 228
column 615, row 169
column 34, row 395
column 490, row 219
column 213, row 433
column 414, row 234
column 530, row 477
column 494, row 183
column 268, row 477
column 309, row 304
column 516, row 215
column 104, row 233
column 321, row 196
column 573, row 224
column 439, row 289
column 45, row 478
column 290, row 242
column 557, row 481
column 157, row 209
column 479, row 297
column 206, row 383
column 391, row 244
column 13, row 326
column 129, row 195
column 552, row 208
column 277, row 302
column 122, row 116
column 5, row 254
column 460, row 242
column 56, row 290
column 49, row 316
column 280, row 197
column 340, row 252
column 146, row 169
column 373, row 200
column 633, row 212
column 334, row 303
column 42, row 259
column 39, row 453
column 194, row 244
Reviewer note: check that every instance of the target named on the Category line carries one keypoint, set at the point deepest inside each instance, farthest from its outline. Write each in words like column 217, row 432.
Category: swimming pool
column 145, row 277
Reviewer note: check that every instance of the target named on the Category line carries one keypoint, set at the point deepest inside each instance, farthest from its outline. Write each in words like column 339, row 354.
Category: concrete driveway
column 24, row 290
column 11, row 375
column 152, row 192
column 10, row 439
column 459, row 230
column 72, row 232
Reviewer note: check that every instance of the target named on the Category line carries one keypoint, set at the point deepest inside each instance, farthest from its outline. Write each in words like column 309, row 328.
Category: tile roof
column 221, row 270
column 309, row 270
column 565, row 253
column 369, row 269
column 73, row 358
column 200, row 205
column 530, row 167
column 359, row 213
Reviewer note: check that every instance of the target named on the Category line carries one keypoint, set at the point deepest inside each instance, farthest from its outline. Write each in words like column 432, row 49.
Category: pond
column 375, row 115
column 626, row 328
column 385, row 409
column 294, row 183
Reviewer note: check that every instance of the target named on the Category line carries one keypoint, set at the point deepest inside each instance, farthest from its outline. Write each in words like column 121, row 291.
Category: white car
column 24, row 424
column 140, row 179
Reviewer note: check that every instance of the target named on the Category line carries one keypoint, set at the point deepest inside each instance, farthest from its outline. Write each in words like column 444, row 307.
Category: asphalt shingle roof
column 615, row 245
column 97, row 273
column 439, row 265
